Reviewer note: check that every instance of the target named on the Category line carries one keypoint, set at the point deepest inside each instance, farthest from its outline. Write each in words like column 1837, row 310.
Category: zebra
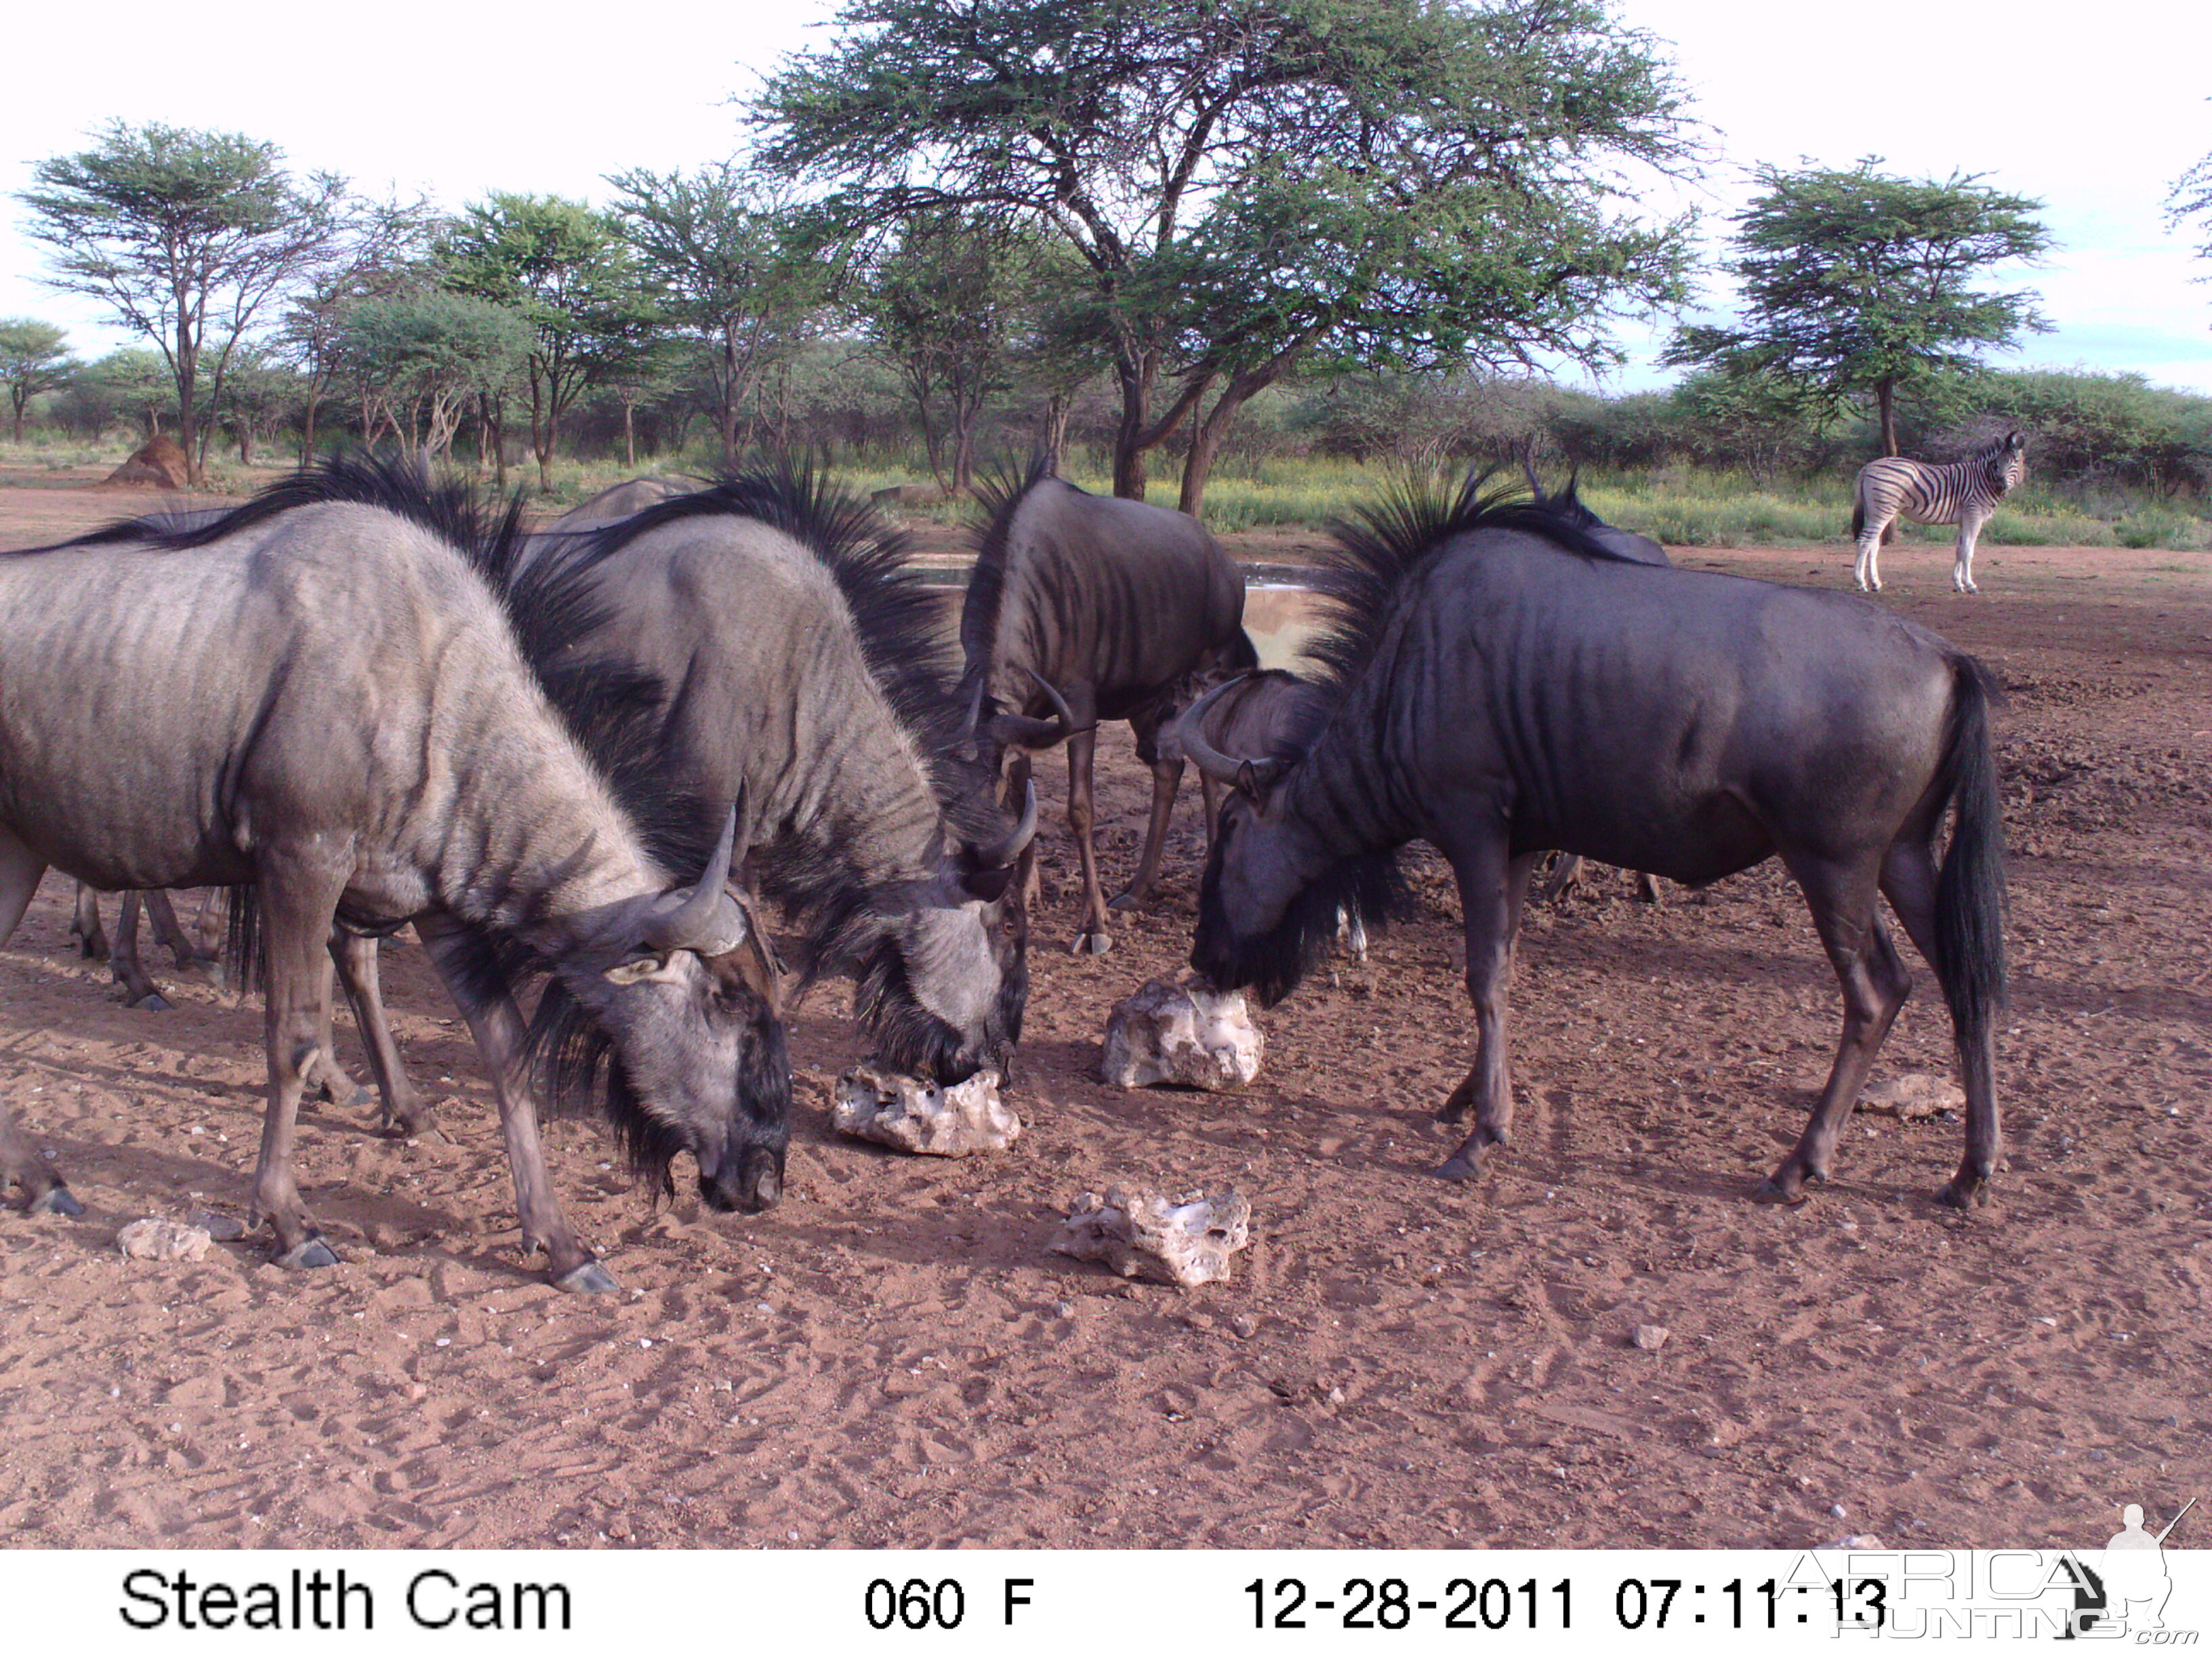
column 1965, row 493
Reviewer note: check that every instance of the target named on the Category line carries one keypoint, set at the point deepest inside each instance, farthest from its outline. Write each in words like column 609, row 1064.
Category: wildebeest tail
column 241, row 936
column 1970, row 890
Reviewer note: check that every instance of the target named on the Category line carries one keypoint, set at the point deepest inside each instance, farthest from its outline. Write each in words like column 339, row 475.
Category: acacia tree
column 382, row 249
column 1251, row 181
column 1857, row 284
column 35, row 357
column 186, row 235
column 419, row 360
column 563, row 268
column 734, row 267
column 2192, row 198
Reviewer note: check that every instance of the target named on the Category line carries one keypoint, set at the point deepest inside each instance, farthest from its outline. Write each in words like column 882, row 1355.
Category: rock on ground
column 918, row 1116
column 1913, row 1095
column 1181, row 1035
column 1185, row 1240
column 153, row 1240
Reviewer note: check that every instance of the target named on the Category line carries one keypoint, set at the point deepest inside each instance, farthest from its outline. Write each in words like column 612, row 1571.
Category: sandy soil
column 892, row 1357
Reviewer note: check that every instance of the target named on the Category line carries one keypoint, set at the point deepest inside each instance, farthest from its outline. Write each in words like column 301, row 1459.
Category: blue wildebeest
column 808, row 676
column 342, row 722
column 1964, row 493
column 1499, row 683
column 1086, row 608
column 122, row 956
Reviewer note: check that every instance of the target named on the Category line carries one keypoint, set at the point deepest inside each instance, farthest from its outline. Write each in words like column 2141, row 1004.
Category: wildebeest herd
column 585, row 763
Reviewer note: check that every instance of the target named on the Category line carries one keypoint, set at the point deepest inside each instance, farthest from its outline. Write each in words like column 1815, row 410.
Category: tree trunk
column 629, row 434
column 1885, row 392
column 1054, row 439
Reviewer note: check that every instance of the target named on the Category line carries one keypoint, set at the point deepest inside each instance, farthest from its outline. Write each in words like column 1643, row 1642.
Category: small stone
column 153, row 1240
column 897, row 1110
column 1651, row 1338
column 1185, row 1240
column 1914, row 1095
column 1184, row 1035
column 1245, row 1325
column 1838, row 1511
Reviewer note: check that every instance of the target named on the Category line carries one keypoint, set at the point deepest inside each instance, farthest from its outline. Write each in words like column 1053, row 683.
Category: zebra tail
column 1859, row 517
column 1970, row 890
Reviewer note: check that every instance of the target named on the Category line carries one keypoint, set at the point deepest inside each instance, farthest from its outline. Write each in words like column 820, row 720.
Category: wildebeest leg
column 164, row 915
column 1962, row 566
column 356, row 960
column 497, row 1026
column 1566, row 871
column 330, row 1080
column 297, row 901
column 1493, row 888
column 1093, row 939
column 84, row 925
column 1908, row 882
column 1167, row 778
column 1874, row 984
column 21, row 1159
column 123, row 962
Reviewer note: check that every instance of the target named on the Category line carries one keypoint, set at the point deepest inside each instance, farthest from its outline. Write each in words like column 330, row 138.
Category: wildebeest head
column 1269, row 902
column 943, row 989
column 677, row 996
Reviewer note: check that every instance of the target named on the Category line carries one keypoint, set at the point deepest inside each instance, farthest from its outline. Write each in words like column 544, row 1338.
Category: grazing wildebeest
column 1499, row 683
column 1086, row 608
column 1964, row 493
column 809, row 676
column 341, row 719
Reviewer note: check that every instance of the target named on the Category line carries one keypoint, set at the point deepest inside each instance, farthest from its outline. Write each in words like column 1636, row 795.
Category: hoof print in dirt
column 918, row 1116
column 1185, row 1240
column 1914, row 1095
column 153, row 1240
column 1185, row 1035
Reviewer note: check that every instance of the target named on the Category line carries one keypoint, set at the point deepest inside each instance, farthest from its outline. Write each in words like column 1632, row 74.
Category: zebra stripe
column 1965, row 493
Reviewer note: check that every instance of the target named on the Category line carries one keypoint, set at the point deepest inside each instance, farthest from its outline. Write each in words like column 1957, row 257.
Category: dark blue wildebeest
column 342, row 720
column 1085, row 608
column 1498, row 681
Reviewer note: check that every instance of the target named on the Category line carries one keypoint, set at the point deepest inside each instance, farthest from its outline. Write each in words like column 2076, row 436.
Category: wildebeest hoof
column 153, row 1003
column 1771, row 1191
column 1957, row 1195
column 1088, row 944
column 587, row 1278
column 57, row 1200
column 1459, row 1166
column 309, row 1252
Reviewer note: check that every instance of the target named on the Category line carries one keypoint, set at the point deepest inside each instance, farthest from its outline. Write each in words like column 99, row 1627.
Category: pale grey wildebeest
column 1085, row 608
column 1498, row 682
column 808, row 676
column 341, row 720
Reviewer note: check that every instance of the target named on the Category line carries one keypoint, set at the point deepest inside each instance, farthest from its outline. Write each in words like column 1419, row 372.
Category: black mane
column 1380, row 551
column 1002, row 492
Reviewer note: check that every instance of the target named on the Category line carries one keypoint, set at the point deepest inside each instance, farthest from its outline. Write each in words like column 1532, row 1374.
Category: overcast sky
column 2095, row 117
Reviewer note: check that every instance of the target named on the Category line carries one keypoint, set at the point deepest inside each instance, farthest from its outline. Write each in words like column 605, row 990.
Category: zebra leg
column 1867, row 573
column 1970, row 530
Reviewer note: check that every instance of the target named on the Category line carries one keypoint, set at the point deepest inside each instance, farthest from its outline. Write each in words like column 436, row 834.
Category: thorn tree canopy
column 35, row 357
column 1251, row 182
column 1855, row 284
column 180, row 232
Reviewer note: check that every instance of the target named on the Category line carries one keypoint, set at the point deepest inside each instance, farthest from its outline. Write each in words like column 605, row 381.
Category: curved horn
column 1052, row 695
column 1029, row 732
column 705, row 919
column 1001, row 854
column 1237, row 774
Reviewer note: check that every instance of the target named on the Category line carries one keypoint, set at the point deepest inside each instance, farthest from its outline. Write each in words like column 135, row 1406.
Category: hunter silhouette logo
column 2135, row 1581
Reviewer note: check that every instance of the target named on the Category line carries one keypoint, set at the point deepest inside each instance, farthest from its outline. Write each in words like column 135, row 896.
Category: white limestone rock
column 1183, row 1035
column 1913, row 1095
column 1183, row 1241
column 918, row 1116
column 153, row 1240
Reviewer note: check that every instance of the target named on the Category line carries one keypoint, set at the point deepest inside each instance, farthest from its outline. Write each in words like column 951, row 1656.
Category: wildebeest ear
column 638, row 968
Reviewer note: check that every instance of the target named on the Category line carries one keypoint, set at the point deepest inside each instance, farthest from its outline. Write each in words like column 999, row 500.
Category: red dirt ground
column 892, row 1357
